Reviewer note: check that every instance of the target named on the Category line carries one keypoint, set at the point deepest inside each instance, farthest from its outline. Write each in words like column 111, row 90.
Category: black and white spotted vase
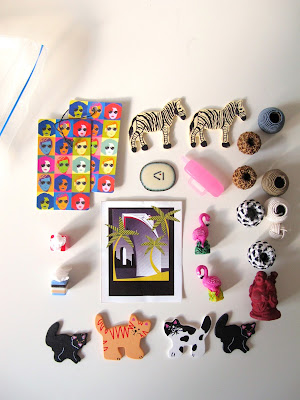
column 271, row 120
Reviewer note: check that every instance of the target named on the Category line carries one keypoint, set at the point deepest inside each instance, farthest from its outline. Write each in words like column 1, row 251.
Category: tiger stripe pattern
column 216, row 119
column 153, row 121
column 127, row 336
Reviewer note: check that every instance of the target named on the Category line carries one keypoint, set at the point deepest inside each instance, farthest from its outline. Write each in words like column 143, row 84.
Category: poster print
column 141, row 251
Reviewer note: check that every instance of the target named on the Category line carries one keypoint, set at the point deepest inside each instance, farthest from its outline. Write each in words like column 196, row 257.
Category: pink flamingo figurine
column 212, row 283
column 200, row 234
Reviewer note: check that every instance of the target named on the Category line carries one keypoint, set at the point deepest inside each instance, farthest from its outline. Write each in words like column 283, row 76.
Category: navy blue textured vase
column 271, row 120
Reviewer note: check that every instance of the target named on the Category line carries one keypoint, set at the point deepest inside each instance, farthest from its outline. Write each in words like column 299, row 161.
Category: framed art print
column 141, row 251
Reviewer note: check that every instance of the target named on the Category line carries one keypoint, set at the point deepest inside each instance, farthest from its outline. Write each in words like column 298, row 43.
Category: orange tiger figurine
column 127, row 336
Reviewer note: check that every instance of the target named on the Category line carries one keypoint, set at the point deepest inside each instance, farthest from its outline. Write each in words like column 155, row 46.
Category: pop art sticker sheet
column 106, row 119
column 64, row 155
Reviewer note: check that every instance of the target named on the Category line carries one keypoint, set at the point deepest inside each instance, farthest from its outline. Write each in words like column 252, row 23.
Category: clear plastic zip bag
column 22, row 62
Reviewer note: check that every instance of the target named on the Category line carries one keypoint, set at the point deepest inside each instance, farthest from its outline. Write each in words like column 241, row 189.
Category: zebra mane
column 170, row 106
column 233, row 104
column 171, row 103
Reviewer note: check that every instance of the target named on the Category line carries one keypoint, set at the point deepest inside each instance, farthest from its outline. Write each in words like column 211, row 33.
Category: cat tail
column 51, row 334
column 100, row 324
column 220, row 325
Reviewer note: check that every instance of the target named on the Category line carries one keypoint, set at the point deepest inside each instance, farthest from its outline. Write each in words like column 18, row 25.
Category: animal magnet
column 153, row 121
column 126, row 336
column 276, row 212
column 233, row 336
column 216, row 119
column 212, row 283
column 185, row 335
column 65, row 346
column 200, row 235
column 263, row 297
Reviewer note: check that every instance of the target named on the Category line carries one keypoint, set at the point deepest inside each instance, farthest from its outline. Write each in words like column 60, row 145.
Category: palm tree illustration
column 115, row 236
column 162, row 219
column 154, row 244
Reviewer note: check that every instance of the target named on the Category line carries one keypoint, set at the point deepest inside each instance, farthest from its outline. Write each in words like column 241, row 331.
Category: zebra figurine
column 216, row 119
column 152, row 121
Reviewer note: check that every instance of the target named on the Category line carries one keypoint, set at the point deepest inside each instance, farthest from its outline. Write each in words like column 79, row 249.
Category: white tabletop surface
column 145, row 53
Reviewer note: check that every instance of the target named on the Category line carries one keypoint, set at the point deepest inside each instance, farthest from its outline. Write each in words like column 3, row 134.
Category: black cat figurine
column 233, row 336
column 65, row 346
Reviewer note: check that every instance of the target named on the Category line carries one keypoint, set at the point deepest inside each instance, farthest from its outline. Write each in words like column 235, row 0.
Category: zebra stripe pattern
column 216, row 119
column 155, row 121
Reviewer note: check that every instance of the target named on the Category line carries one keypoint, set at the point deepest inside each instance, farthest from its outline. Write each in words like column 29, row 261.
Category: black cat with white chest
column 234, row 336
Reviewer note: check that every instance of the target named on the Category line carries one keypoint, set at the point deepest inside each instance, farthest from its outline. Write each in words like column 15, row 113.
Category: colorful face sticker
column 78, row 111
column 111, row 130
column 81, row 165
column 94, row 146
column 112, row 111
column 95, row 110
column 45, row 146
column 106, row 184
column 45, row 164
column 108, row 165
column 63, row 164
column 80, row 184
column 63, row 183
column 109, row 147
column 92, row 182
column 80, row 202
column 97, row 128
column 62, row 201
column 82, row 130
column 81, row 147
column 45, row 201
column 45, row 182
column 64, row 128
column 62, row 147
column 46, row 128
column 95, row 164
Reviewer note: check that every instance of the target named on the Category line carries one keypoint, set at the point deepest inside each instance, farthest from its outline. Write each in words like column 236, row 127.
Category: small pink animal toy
column 212, row 283
column 200, row 235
